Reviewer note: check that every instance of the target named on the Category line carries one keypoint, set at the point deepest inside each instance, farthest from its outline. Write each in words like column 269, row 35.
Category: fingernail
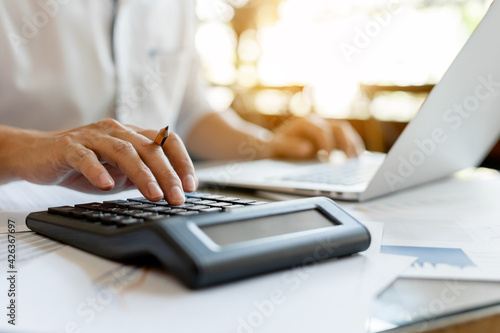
column 323, row 155
column 105, row 180
column 190, row 183
column 177, row 195
column 155, row 190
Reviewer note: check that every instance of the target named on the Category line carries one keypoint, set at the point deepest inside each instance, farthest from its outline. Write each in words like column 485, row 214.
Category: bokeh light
column 331, row 47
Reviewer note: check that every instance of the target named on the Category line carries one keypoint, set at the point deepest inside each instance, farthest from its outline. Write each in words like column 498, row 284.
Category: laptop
column 455, row 128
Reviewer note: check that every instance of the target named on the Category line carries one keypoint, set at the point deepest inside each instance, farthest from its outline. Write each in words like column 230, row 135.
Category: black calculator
column 210, row 239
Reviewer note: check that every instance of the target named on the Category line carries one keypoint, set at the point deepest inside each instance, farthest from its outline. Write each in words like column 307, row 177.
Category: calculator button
column 185, row 213
column 182, row 206
column 228, row 199
column 206, row 202
column 140, row 199
column 210, row 210
column 175, row 211
column 141, row 206
column 111, row 220
column 220, row 204
column 161, row 203
column 226, row 208
column 126, row 204
column 197, row 207
column 142, row 214
column 62, row 210
column 92, row 216
column 118, row 210
column 104, row 207
column 244, row 201
column 78, row 213
column 131, row 212
column 157, row 209
column 90, row 205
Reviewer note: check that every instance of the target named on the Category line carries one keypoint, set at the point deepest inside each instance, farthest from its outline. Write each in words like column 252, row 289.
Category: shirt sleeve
column 194, row 104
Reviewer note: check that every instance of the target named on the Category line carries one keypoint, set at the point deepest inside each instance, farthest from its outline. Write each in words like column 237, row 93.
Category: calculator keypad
column 121, row 213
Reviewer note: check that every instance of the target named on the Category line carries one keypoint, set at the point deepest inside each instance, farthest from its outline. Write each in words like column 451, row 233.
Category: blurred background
column 372, row 62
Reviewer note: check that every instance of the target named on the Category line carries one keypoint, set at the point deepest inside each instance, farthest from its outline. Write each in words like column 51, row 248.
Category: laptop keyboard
column 122, row 213
column 349, row 173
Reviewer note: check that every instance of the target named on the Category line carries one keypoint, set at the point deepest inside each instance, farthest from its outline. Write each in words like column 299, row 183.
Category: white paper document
column 451, row 226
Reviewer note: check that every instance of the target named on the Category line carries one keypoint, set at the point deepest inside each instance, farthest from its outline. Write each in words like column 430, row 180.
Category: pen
column 161, row 137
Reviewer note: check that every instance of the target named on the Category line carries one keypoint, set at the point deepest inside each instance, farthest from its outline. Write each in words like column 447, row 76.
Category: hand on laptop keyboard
column 305, row 137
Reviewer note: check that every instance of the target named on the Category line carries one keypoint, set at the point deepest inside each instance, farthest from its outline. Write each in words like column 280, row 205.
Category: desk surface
column 417, row 305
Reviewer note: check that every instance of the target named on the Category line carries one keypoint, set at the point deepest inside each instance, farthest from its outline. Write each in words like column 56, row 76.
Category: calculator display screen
column 267, row 226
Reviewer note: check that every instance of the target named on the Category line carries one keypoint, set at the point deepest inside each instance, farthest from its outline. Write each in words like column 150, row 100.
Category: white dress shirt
column 63, row 64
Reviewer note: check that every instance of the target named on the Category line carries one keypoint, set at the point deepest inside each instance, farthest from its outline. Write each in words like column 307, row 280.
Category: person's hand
column 108, row 155
column 302, row 138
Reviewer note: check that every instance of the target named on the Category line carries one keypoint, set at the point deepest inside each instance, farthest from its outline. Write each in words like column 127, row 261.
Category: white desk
column 116, row 297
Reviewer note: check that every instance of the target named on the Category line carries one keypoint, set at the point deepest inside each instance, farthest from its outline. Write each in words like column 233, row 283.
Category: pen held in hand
column 161, row 137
